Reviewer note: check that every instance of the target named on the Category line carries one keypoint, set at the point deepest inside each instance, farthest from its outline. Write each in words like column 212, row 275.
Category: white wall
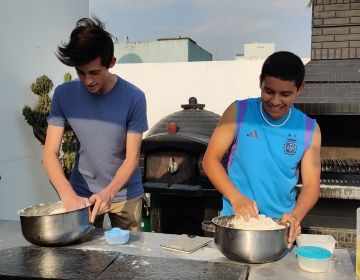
column 30, row 32
column 214, row 83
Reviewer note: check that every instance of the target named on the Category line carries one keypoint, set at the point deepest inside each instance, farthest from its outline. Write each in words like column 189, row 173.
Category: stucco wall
column 30, row 32
column 214, row 83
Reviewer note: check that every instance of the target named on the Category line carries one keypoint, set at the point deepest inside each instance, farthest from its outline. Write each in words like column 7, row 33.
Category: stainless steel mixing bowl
column 42, row 228
column 250, row 246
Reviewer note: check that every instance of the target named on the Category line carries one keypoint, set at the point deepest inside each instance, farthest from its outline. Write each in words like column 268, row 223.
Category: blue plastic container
column 117, row 236
column 313, row 258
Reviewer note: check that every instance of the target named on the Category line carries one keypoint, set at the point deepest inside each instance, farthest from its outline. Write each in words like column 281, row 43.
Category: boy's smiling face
column 278, row 96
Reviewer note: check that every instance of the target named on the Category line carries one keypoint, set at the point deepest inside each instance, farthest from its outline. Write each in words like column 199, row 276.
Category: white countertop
column 341, row 264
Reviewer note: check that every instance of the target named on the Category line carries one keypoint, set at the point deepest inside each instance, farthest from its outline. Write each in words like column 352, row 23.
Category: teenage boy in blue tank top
column 269, row 141
column 108, row 117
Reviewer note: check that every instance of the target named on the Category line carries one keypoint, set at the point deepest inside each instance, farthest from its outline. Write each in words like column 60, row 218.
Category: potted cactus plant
column 36, row 118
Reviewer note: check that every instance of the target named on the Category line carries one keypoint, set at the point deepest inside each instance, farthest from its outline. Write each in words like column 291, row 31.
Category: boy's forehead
column 90, row 66
column 271, row 81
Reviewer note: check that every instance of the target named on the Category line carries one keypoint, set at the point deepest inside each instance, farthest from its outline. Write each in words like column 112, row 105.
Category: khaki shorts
column 124, row 214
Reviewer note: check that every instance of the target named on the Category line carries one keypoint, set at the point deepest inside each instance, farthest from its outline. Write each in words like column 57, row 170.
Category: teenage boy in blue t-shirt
column 108, row 117
column 269, row 140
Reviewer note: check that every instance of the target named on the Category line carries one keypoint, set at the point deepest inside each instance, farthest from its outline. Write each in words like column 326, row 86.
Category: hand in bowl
column 244, row 207
column 74, row 202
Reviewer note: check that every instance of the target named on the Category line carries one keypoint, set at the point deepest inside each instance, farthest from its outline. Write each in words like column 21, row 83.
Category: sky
column 218, row 26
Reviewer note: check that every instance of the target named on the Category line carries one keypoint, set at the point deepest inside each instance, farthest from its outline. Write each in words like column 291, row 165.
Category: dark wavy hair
column 88, row 41
column 285, row 66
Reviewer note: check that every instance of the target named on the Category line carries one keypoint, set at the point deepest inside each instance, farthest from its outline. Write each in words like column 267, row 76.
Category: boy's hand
column 295, row 228
column 102, row 203
column 244, row 207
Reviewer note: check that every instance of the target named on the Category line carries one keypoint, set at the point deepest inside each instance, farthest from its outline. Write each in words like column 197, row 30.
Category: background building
column 257, row 51
column 180, row 49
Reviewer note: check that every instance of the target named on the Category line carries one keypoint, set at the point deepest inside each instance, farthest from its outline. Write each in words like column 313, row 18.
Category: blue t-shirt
column 100, row 123
column 264, row 160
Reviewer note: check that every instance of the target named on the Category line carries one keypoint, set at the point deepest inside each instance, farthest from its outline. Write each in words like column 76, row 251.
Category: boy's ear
column 260, row 81
column 112, row 62
column 301, row 88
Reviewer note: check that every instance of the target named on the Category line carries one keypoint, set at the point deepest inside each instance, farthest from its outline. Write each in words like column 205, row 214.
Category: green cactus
column 69, row 146
column 42, row 86
column 67, row 77
column 37, row 119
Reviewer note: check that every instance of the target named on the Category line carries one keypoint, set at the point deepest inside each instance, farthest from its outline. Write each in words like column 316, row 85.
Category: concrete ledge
column 340, row 192
column 346, row 238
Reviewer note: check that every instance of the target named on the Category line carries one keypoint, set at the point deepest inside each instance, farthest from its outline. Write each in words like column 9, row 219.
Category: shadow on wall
column 130, row 58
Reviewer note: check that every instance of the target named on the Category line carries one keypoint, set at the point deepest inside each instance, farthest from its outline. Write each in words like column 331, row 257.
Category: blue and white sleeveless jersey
column 264, row 160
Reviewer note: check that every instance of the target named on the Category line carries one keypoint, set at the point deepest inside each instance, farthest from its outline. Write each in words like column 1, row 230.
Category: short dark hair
column 285, row 66
column 88, row 41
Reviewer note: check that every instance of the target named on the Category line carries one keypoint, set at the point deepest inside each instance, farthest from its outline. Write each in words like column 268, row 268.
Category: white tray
column 186, row 244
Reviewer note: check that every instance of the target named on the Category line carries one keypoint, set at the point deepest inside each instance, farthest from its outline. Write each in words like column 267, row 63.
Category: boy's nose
column 88, row 80
column 276, row 100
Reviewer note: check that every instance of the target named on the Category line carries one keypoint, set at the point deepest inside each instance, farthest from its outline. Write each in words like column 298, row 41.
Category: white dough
column 260, row 223
column 58, row 211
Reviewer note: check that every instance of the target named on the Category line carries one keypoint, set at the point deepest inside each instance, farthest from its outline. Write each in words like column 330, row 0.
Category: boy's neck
column 110, row 83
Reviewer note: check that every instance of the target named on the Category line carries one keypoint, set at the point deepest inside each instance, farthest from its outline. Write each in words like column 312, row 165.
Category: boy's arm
column 310, row 175
column 55, row 171
column 219, row 144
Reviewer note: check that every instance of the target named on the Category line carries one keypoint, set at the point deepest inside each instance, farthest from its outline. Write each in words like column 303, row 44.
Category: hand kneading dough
column 260, row 223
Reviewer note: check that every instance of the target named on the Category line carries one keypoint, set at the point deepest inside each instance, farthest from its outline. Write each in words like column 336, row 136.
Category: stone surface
column 138, row 267
column 64, row 263
column 48, row 263
column 146, row 244
column 340, row 267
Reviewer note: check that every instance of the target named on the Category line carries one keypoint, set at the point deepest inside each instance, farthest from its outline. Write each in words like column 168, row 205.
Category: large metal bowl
column 42, row 228
column 250, row 246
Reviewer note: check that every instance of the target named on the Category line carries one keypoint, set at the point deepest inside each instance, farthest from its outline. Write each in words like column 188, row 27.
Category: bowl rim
column 214, row 221
column 44, row 204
